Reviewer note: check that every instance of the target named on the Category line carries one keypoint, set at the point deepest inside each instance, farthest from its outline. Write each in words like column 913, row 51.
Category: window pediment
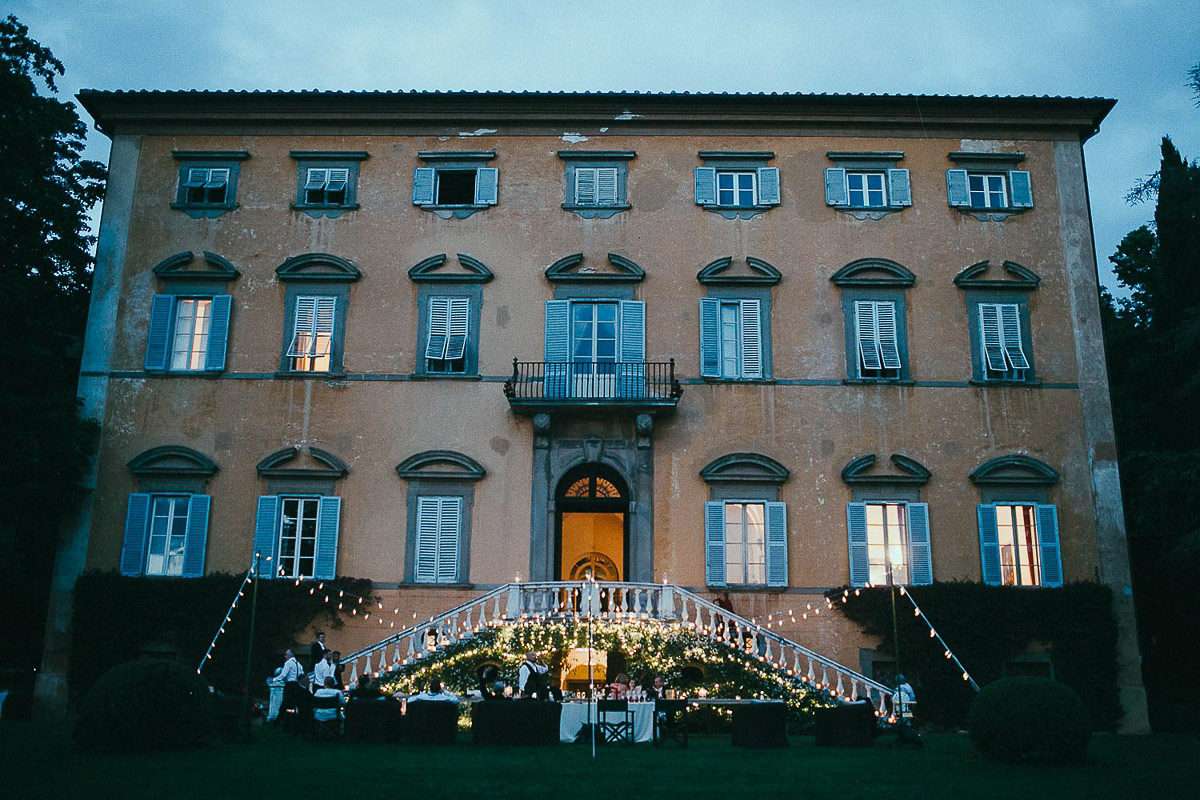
column 873, row 272
column 757, row 273
column 1019, row 277
column 318, row 268
column 171, row 459
column 625, row 270
column 430, row 270
column 215, row 268
column 446, row 465
column 908, row 471
column 288, row 461
column 745, row 468
column 1014, row 470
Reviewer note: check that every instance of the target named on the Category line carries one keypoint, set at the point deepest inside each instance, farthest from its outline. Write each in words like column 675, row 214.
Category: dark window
column 455, row 187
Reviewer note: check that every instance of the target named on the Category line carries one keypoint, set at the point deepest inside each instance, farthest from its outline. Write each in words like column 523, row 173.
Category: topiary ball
column 146, row 705
column 1027, row 719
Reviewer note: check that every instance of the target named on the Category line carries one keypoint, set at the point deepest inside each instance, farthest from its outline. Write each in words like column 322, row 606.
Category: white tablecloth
column 574, row 715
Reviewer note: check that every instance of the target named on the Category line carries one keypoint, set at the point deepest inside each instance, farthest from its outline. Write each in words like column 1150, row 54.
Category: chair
column 326, row 726
column 430, row 722
column 670, row 722
column 620, row 730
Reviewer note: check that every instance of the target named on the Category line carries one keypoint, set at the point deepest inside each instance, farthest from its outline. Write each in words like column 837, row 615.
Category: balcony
column 642, row 387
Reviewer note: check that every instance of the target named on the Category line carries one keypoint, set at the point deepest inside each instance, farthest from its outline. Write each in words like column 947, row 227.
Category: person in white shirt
column 531, row 678
column 290, row 674
column 323, row 670
column 330, row 689
column 436, row 693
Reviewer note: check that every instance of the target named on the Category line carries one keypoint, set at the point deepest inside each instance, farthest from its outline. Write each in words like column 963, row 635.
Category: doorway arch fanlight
column 591, row 523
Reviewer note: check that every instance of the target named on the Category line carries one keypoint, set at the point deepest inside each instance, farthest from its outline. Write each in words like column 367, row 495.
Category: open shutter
column 585, row 186
column 196, row 177
column 329, row 513
column 158, row 342
column 323, row 326
column 439, row 327
column 302, row 327
column 899, row 190
column 1047, row 521
column 428, row 525
column 460, row 315
column 777, row 566
column 1020, row 188
column 195, row 540
column 836, row 192
column 218, row 333
column 423, row 186
column 956, row 188
column 448, row 540
column 867, row 333
column 631, row 380
column 710, row 337
column 768, row 186
column 752, row 366
column 989, row 544
column 714, row 544
column 920, row 561
column 558, row 348
column 266, row 535
column 317, row 178
column 217, row 178
column 487, row 181
column 1010, row 329
column 137, row 518
column 989, row 332
column 856, row 528
column 338, row 178
column 706, row 186
column 606, row 186
column 889, row 347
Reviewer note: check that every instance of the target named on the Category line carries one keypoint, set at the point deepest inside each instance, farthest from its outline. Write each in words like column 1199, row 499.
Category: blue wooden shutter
column 423, row 185
column 752, row 361
column 989, row 337
column 836, row 193
column 1020, row 189
column 158, row 350
column 899, row 190
column 137, row 519
column 439, row 327
column 460, row 316
column 1010, row 327
column 768, row 186
column 856, row 529
column 889, row 347
column 607, row 192
column 585, row 186
column 714, row 544
column 487, row 181
column 631, row 380
column 706, row 186
column 989, row 544
column 710, row 337
column 867, row 334
column 196, row 538
column 329, row 512
column 449, row 531
column 956, row 188
column 777, row 560
column 426, row 550
column 558, row 348
column 218, row 333
column 266, row 535
column 920, row 561
column 1047, row 521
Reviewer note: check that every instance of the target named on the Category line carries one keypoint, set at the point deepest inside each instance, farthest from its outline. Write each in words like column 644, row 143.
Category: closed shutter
column 706, row 186
column 423, row 185
column 990, row 338
column 585, row 186
column 889, row 343
column 329, row 512
column 1010, row 328
column 710, row 337
column 460, row 315
column 558, row 348
column 439, row 528
column 714, row 544
column 196, row 538
column 752, row 362
column 1020, row 188
column 899, row 190
column 989, row 544
column 137, row 518
column 920, row 561
column 449, row 530
column 487, row 181
column 439, row 328
column 956, row 188
column 218, row 333
column 856, row 528
column 266, row 535
column 606, row 186
column 162, row 309
column 1048, row 539
column 867, row 332
column 777, row 566
column 768, row 186
column 836, row 191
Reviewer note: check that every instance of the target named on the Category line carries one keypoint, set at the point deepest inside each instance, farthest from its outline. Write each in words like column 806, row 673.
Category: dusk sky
column 1136, row 52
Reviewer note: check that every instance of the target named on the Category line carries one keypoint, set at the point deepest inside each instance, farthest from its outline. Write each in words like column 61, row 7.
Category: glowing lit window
column 887, row 543
column 745, row 543
column 312, row 334
column 190, row 345
column 593, row 487
column 1020, row 547
column 168, row 536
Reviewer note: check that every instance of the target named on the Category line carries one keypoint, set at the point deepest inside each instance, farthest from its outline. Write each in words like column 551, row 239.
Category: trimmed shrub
column 1027, row 719
column 146, row 705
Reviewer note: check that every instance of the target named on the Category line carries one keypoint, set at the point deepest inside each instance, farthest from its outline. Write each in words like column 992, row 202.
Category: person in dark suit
column 318, row 650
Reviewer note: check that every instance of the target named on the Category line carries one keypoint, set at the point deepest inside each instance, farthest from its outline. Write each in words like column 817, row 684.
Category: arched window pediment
column 1019, row 277
column 874, row 272
column 281, row 463
column 172, row 459
column 217, row 268
column 564, row 270
column 318, row 268
column 441, row 465
column 909, row 471
column 430, row 270
column 1014, row 470
column 759, row 273
column 745, row 468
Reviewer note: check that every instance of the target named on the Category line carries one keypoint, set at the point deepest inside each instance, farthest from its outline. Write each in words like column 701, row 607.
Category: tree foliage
column 46, row 192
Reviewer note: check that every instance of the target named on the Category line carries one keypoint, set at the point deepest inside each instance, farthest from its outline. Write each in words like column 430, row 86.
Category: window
column 207, row 181
column 439, row 521
column 595, row 348
column 1000, row 340
column 596, row 186
column 165, row 535
column 449, row 325
column 731, row 344
column 596, row 181
column 326, row 187
column 889, row 543
column 736, row 180
column 736, row 189
column 1020, row 544
column 327, row 181
column 866, row 189
column 312, row 334
column 457, row 180
column 986, row 183
column 188, row 334
column 296, row 535
column 746, row 543
column 867, row 181
column 986, row 191
column 878, row 350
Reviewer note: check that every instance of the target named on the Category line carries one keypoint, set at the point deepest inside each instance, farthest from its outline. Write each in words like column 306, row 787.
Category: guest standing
column 317, row 651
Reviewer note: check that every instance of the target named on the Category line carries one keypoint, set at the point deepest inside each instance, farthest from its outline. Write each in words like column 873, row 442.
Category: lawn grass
column 38, row 760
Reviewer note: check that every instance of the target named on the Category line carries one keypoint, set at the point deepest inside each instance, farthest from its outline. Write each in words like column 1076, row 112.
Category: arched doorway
column 591, row 524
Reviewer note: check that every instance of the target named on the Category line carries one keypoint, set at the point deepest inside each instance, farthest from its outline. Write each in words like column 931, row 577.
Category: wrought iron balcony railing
column 588, row 383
